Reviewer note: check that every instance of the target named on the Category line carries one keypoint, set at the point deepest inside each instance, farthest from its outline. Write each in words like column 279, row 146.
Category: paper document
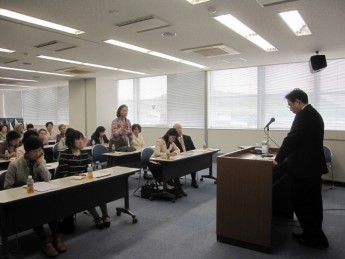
column 45, row 186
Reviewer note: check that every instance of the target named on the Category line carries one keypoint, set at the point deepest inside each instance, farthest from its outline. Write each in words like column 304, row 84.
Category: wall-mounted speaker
column 317, row 63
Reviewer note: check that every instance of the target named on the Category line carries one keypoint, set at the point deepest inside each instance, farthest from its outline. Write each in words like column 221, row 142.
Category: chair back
column 56, row 151
column 97, row 152
column 2, row 180
column 145, row 155
column 328, row 154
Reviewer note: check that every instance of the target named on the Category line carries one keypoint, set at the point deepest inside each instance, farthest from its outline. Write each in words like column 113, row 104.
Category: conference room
column 186, row 66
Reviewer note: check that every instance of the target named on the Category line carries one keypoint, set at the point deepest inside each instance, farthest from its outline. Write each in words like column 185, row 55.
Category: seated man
column 32, row 163
column 42, row 135
column 11, row 144
column 51, row 135
column 185, row 143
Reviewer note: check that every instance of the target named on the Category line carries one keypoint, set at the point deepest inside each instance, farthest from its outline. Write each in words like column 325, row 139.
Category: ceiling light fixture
column 87, row 64
column 193, row 2
column 39, row 22
column 34, row 71
column 7, row 50
column 18, row 79
column 153, row 53
column 126, row 45
column 237, row 26
column 24, row 86
column 296, row 23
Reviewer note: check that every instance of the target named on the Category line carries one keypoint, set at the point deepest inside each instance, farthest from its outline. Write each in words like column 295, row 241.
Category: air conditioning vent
column 212, row 51
column 267, row 3
column 143, row 24
column 76, row 70
column 55, row 45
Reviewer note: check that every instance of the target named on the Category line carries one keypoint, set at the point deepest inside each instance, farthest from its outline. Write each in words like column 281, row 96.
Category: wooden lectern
column 244, row 199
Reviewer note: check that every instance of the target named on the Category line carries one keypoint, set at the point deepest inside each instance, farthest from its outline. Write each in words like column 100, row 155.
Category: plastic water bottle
column 89, row 172
column 30, row 184
column 7, row 155
column 93, row 142
column 264, row 145
column 113, row 148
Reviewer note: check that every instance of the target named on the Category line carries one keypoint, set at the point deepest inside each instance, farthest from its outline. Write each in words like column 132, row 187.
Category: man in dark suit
column 302, row 155
column 185, row 143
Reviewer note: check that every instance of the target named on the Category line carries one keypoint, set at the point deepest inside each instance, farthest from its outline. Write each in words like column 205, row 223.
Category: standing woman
column 121, row 129
column 99, row 137
column 3, row 132
column 165, row 146
column 74, row 161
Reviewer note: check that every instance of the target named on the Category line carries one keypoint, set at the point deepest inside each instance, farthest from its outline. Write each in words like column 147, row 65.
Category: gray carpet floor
column 185, row 229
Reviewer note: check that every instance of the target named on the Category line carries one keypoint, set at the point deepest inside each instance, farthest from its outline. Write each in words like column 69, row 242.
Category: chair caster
column 151, row 198
column 215, row 182
column 134, row 220
column 118, row 213
column 201, row 179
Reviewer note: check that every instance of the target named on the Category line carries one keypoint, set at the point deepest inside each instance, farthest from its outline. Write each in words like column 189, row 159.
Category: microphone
column 270, row 122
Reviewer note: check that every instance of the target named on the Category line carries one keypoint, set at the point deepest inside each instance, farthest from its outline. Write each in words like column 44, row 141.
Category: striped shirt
column 70, row 164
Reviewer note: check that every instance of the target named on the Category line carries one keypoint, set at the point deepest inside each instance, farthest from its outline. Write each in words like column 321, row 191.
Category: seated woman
column 3, row 132
column 74, row 161
column 32, row 163
column 99, row 137
column 165, row 146
column 139, row 144
column 138, row 138
column 62, row 129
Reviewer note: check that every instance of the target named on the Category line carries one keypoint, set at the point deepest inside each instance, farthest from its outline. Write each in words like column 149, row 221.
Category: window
column 331, row 94
column 186, row 100
column 146, row 99
column 39, row 106
column 233, row 98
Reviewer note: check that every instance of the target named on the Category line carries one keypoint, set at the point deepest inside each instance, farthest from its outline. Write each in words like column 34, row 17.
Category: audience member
column 121, row 129
column 3, row 132
column 62, row 129
column 20, row 129
column 11, row 144
column 185, row 143
column 138, row 138
column 21, row 149
column 30, row 127
column 99, row 137
column 165, row 147
column 42, row 135
column 32, row 163
column 74, row 161
column 51, row 135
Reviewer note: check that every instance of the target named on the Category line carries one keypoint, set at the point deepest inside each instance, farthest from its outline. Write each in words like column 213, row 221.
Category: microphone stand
column 268, row 154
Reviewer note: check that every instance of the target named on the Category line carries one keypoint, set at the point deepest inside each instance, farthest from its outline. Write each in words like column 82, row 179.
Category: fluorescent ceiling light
column 197, row 1
column 126, row 45
column 88, row 64
column 153, row 53
column 34, row 71
column 43, row 23
column 237, row 26
column 296, row 23
column 161, row 55
column 100, row 66
column 131, row 71
column 60, row 59
column 7, row 50
column 18, row 79
column 15, row 85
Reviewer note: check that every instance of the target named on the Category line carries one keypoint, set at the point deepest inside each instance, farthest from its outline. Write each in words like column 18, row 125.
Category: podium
column 244, row 199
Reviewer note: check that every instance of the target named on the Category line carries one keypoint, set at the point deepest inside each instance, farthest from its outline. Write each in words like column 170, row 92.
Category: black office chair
column 328, row 156
column 2, row 180
column 56, row 152
column 145, row 158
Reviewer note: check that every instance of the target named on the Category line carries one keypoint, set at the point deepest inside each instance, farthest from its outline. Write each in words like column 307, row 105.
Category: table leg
column 126, row 208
